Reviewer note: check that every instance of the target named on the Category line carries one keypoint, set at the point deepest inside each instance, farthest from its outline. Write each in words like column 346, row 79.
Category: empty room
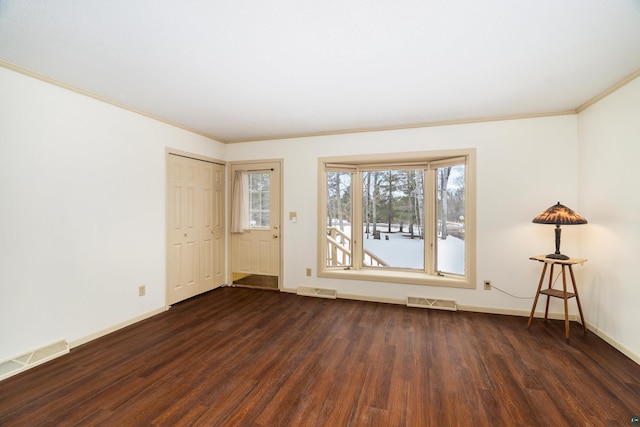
column 305, row 213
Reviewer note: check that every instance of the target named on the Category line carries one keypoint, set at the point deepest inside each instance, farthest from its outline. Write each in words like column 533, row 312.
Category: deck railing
column 339, row 251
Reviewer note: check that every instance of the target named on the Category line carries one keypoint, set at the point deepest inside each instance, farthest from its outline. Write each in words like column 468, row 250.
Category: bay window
column 405, row 218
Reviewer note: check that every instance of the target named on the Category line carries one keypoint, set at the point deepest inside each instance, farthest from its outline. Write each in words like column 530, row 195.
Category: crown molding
column 625, row 81
column 110, row 101
column 104, row 99
column 405, row 127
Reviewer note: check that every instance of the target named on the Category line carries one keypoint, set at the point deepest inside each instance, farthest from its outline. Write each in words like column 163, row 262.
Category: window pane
column 259, row 199
column 450, row 219
column 339, row 210
column 393, row 218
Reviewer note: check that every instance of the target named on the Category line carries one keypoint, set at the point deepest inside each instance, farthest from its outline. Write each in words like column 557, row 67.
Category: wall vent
column 33, row 358
column 440, row 304
column 317, row 292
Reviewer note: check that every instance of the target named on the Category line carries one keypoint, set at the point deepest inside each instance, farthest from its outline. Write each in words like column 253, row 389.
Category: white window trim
column 397, row 275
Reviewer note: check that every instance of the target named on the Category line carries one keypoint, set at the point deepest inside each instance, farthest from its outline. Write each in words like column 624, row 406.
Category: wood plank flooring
column 247, row 357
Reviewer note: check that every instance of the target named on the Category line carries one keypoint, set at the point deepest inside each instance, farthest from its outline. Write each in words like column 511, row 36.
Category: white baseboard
column 478, row 309
column 522, row 313
column 15, row 365
column 614, row 343
column 128, row 322
column 513, row 312
column 28, row 360
column 372, row 298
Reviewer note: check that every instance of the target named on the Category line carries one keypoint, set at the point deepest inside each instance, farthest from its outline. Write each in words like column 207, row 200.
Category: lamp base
column 557, row 256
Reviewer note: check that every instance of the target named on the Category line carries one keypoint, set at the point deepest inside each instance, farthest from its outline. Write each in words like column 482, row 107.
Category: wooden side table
column 556, row 293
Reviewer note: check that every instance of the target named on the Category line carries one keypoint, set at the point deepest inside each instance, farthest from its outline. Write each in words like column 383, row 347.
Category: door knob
column 275, row 236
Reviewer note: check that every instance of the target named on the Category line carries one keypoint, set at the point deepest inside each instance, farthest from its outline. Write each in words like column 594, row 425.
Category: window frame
column 428, row 276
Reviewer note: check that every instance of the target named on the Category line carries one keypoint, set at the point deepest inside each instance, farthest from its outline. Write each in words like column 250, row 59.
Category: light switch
column 293, row 216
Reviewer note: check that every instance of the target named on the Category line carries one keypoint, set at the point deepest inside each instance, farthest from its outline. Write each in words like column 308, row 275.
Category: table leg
column 535, row 300
column 575, row 291
column 546, row 308
column 566, row 307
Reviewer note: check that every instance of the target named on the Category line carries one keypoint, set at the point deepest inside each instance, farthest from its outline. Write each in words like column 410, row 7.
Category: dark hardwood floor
column 247, row 357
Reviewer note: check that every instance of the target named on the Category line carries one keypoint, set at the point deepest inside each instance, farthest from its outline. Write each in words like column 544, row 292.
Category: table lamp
column 559, row 215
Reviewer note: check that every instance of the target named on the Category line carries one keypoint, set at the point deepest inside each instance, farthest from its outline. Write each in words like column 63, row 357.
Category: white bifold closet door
column 195, row 224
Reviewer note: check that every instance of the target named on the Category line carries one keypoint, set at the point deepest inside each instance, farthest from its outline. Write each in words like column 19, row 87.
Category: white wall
column 523, row 167
column 609, row 151
column 82, row 209
column 82, row 212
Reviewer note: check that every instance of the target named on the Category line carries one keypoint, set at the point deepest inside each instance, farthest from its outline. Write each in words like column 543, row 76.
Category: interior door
column 195, row 224
column 211, row 233
column 217, row 227
column 255, row 253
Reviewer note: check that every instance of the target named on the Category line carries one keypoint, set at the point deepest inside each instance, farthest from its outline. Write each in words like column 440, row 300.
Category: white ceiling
column 240, row 70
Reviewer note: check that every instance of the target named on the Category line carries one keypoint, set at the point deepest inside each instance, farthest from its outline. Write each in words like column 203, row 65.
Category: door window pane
column 259, row 188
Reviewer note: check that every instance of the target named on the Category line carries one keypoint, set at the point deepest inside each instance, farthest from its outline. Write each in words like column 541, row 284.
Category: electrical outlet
column 308, row 272
column 142, row 290
column 487, row 285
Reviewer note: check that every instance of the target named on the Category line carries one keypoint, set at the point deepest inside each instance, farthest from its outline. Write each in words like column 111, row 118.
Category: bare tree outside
column 443, row 181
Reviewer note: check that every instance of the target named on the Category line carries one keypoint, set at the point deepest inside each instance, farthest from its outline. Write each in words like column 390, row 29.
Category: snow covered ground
column 403, row 252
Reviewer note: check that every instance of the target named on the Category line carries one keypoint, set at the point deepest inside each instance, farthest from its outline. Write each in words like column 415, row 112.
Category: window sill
column 403, row 277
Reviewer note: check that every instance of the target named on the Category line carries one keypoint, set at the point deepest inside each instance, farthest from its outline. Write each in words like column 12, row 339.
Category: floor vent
column 34, row 358
column 440, row 304
column 317, row 292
